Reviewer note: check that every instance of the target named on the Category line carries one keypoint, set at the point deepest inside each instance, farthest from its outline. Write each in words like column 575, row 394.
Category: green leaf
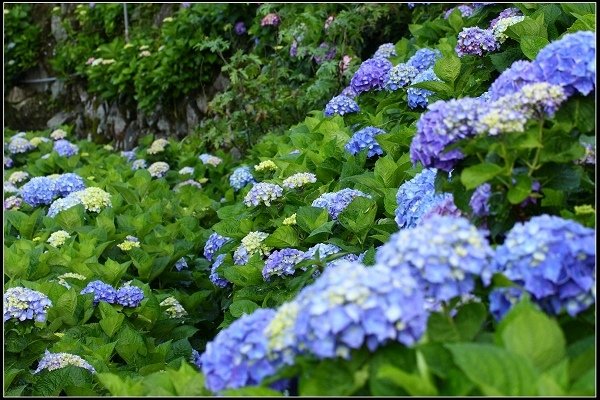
column 505, row 59
column 71, row 218
column 579, row 8
column 475, row 175
column 530, row 333
column 120, row 387
column 447, row 68
column 284, row 236
column 359, row 215
column 528, row 27
column 130, row 345
column 414, row 384
column 129, row 195
column 233, row 228
column 386, row 169
column 520, row 190
column 584, row 23
column 586, row 385
column 494, row 370
column 241, row 307
column 111, row 325
column 252, row 391
column 67, row 304
column 328, row 378
column 435, row 86
column 310, row 218
column 455, row 20
column 9, row 375
column 463, row 327
column 531, row 45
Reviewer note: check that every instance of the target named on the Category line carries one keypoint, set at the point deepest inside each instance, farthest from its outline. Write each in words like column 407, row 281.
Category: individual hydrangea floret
column 281, row 262
column 64, row 148
column 267, row 165
column 416, row 197
column 263, row 193
column 400, row 76
column 365, row 139
column 554, row 260
column 336, row 202
column 210, row 159
column 22, row 303
column 506, row 13
column 181, row 264
column 129, row 243
column 445, row 254
column 13, row 203
column 214, row 277
column 19, row 145
column 417, row 97
column 52, row 361
column 503, row 24
column 102, row 291
column 18, row 177
column 139, row 164
column 341, row 105
column 270, row 19
column 386, row 50
column 158, row 169
column 444, row 123
column 480, row 199
column 476, row 41
column 129, row 296
column 58, row 134
column 174, row 309
column 68, row 183
column 371, row 75
column 291, row 220
column 38, row 191
column 58, row 238
column 93, row 198
column 213, row 244
column 502, row 299
column 424, row 59
column 465, row 11
column 298, row 180
column 186, row 171
column 237, row 356
column 240, row 177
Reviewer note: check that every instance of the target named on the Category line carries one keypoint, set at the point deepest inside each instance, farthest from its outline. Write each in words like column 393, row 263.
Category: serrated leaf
column 531, row 45
column 310, row 218
column 386, row 169
column 447, row 68
column 284, row 236
column 111, row 325
column 359, row 215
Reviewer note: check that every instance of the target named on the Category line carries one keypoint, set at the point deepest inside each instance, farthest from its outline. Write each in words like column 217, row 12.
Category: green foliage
column 22, row 41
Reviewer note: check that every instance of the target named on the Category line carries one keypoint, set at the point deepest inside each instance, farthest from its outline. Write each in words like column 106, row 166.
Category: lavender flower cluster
column 417, row 97
column 64, row 148
column 465, row 11
column 424, row 59
column 240, row 177
column 281, row 262
column 52, row 361
column 213, row 244
column 264, row 193
column 68, row 183
column 371, row 75
column 476, row 41
column 214, row 277
column 400, row 76
column 127, row 296
column 336, row 202
column 365, row 139
column 386, row 50
column 21, row 303
column 341, row 105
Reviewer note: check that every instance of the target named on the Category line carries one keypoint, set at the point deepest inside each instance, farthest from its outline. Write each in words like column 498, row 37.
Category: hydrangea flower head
column 444, row 253
column 58, row 134
column 554, row 260
column 513, row 79
column 129, row 155
column 36, row 141
column 291, row 220
column 213, row 244
column 174, row 309
column 445, row 207
column 465, row 11
column 10, row 187
column 240, row 177
column 138, row 164
column 348, row 92
column 68, row 183
column 371, row 75
column 19, row 145
column 158, row 146
column 102, row 291
column 503, row 24
column 424, row 59
column 8, row 162
column 502, row 299
column 476, row 41
column 129, row 243
column 38, row 191
column 253, row 242
column 365, row 139
column 237, row 356
column 18, row 177
column 267, row 165
column 21, row 303
column 270, row 19
column 214, row 277
column 70, row 275
column 58, row 238
column 263, row 193
column 417, row 97
column 281, row 262
column 298, row 180
column 186, row 171
column 64, row 148
column 386, row 50
column 93, row 198
column 210, row 159
column 336, row 202
column 341, row 105
column 158, row 169
column 62, row 204
column 129, row 296
column 480, row 200
column 400, row 76
column 187, row 182
column 239, row 28
column 13, row 203
column 506, row 13
column 181, row 264
column 52, row 361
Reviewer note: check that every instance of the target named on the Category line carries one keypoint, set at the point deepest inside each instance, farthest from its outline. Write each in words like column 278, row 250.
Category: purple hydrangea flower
column 19, row 145
column 386, row 50
column 213, row 244
column 68, row 183
column 507, row 13
column 341, row 105
column 417, row 97
column 400, row 76
column 554, row 260
column 476, row 41
column 371, row 75
column 446, row 207
column 349, row 92
column 240, row 28
column 569, row 62
column 444, row 123
column 328, row 52
column 13, row 202
column 241, row 255
column 480, row 200
column 465, row 11
column 294, row 49
column 513, row 79
column 263, row 193
column 445, row 254
column 181, row 264
column 237, row 356
column 102, row 292
column 365, row 139
column 424, row 59
column 64, row 148
column 241, row 177
column 502, row 299
column 416, row 197
column 8, row 162
column 336, row 202
column 129, row 296
column 214, row 277
column 129, row 155
column 270, row 19
column 22, row 303
column 38, row 191
column 282, row 262
column 52, row 361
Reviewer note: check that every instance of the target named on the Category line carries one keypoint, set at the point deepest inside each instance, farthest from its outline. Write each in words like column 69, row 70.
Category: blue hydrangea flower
column 424, row 59
column 139, row 164
column 129, row 155
column 181, row 264
column 19, row 145
column 8, row 162
column 325, row 52
column 569, row 62
column 213, row 244
column 263, row 193
column 444, row 123
column 64, row 148
column 321, row 250
column 480, row 200
column 38, row 191
column 554, row 260
column 62, row 204
column 445, row 207
column 476, row 41
column 507, row 13
column 241, row 177
column 365, row 139
column 341, row 105
column 400, row 76
column 102, row 291
column 336, row 202
column 502, row 299
column 416, row 197
column 237, row 356
column 371, row 75
column 214, row 277
column 465, row 11
column 513, row 79
column 68, row 183
column 417, row 97
column 241, row 255
column 386, row 50
column 282, row 262
column 445, row 254
column 349, row 92
column 52, row 361
column 22, row 303
column 129, row 296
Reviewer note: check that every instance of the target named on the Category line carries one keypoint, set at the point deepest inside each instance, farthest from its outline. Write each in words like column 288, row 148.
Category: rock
column 57, row 29
column 191, row 117
column 221, row 83
column 16, row 95
column 57, row 89
column 58, row 120
column 163, row 125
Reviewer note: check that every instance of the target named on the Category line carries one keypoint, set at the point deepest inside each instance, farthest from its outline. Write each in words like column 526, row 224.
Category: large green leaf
column 463, row 327
column 359, row 215
column 284, row 236
column 474, row 176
